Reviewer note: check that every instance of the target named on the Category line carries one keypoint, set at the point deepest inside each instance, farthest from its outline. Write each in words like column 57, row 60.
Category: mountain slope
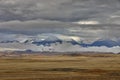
column 49, row 40
column 102, row 42
column 107, row 43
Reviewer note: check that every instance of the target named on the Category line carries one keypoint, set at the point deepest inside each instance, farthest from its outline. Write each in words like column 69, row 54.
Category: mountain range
column 54, row 39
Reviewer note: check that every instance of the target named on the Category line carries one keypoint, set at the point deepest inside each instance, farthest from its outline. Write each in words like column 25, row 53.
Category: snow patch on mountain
column 56, row 47
column 59, row 43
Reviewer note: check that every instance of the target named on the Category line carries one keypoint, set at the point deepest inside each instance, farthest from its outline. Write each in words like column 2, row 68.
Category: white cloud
column 87, row 22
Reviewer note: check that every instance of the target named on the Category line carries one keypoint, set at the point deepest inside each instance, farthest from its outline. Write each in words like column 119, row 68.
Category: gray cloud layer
column 61, row 10
column 31, row 17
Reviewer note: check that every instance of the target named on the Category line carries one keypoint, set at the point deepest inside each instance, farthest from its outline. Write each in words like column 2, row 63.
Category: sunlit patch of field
column 60, row 67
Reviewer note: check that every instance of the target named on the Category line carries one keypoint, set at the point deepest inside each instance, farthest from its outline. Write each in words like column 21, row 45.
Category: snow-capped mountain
column 58, row 43
column 9, row 41
column 49, row 40
column 107, row 43
column 102, row 42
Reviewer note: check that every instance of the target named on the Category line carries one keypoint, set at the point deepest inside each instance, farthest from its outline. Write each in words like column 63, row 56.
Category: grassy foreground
column 60, row 67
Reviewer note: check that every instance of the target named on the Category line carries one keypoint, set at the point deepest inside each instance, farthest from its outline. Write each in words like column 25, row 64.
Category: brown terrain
column 86, row 66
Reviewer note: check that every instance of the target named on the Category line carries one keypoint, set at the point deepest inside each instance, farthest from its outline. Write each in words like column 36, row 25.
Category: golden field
column 60, row 67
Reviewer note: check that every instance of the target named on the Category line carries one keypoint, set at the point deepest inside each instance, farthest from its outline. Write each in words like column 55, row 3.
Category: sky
column 87, row 19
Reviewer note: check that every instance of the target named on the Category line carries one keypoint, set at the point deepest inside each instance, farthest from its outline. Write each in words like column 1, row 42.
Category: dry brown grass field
column 60, row 67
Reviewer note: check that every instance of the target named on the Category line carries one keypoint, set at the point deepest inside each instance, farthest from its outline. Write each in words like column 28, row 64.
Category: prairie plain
column 60, row 67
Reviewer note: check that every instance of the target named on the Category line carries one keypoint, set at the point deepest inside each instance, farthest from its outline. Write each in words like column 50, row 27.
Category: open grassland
column 60, row 67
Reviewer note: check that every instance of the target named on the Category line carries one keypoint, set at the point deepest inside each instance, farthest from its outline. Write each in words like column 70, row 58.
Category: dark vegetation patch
column 72, row 70
column 91, row 55
column 37, row 60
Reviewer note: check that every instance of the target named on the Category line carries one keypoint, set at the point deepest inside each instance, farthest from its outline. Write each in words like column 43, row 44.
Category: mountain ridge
column 53, row 40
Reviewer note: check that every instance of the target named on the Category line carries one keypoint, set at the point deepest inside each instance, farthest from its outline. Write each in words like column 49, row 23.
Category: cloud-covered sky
column 87, row 19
